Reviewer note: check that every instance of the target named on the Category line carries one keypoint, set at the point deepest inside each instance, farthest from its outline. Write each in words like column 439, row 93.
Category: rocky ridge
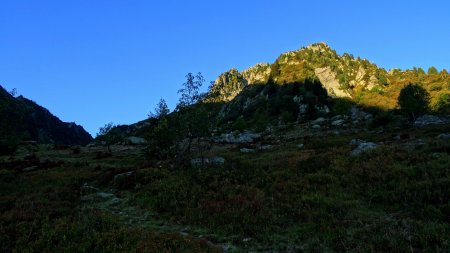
column 339, row 74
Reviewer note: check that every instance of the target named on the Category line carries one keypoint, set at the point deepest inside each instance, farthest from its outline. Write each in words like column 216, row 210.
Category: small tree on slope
column 413, row 100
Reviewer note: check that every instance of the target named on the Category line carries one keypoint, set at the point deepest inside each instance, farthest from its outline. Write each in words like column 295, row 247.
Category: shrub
column 239, row 124
column 413, row 100
column 287, row 117
column 442, row 104
column 342, row 106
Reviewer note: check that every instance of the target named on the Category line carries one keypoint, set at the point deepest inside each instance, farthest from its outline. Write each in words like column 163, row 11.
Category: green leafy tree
column 314, row 95
column 190, row 91
column 382, row 79
column 108, row 135
column 413, row 100
column 192, row 116
column 420, row 71
column 432, row 70
column 160, row 138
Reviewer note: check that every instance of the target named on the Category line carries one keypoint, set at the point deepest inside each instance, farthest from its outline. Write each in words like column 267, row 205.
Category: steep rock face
column 258, row 74
column 230, row 83
column 227, row 86
column 23, row 119
column 330, row 82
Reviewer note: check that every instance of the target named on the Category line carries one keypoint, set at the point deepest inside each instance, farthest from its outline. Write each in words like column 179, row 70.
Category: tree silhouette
column 109, row 134
column 192, row 116
column 160, row 137
column 161, row 110
column 413, row 100
column 190, row 91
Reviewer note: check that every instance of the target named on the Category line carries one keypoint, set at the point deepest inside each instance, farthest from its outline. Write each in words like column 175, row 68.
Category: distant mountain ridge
column 23, row 119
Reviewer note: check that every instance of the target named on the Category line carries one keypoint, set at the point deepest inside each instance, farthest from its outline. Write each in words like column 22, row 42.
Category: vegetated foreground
column 295, row 189
column 316, row 152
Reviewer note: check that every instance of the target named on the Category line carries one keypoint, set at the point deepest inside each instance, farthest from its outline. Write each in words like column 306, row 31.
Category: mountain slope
column 343, row 76
column 23, row 119
column 308, row 83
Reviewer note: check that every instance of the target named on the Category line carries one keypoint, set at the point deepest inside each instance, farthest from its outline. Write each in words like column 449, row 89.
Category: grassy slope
column 314, row 199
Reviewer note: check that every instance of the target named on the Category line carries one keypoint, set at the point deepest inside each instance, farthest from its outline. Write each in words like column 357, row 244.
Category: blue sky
column 95, row 62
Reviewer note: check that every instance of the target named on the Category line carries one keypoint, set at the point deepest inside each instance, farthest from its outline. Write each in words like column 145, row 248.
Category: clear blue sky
column 94, row 62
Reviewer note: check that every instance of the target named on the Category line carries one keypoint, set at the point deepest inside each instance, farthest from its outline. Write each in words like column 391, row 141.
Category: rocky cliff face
column 227, row 86
column 329, row 81
column 23, row 119
column 258, row 74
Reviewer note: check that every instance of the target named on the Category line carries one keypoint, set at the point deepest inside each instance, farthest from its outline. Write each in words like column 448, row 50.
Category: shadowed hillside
column 23, row 120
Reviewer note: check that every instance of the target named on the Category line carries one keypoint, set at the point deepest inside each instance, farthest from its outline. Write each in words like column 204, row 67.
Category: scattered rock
column 443, row 136
column 125, row 180
column 183, row 233
column 338, row 122
column 438, row 155
column 105, row 198
column 86, row 189
column 247, row 150
column 362, row 147
column 319, row 120
column 31, row 168
column 358, row 115
column 236, row 138
column 322, row 109
column 303, row 108
column 356, row 142
column 301, row 145
column 124, row 175
column 265, row 147
column 426, row 120
column 338, row 117
column 316, row 126
column 133, row 140
column 91, row 145
column 246, row 239
column 105, row 195
column 31, row 143
column 215, row 160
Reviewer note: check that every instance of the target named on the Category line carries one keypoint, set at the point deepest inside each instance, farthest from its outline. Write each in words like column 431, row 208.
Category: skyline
column 109, row 61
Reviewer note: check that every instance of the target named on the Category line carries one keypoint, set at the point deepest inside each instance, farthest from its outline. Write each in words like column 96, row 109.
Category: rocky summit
column 342, row 75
